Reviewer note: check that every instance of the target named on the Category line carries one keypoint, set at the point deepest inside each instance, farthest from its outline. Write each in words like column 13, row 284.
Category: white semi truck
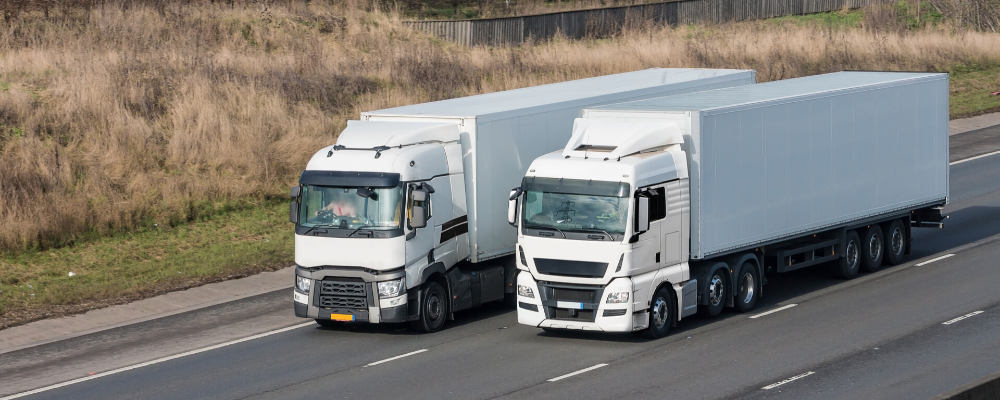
column 404, row 218
column 657, row 208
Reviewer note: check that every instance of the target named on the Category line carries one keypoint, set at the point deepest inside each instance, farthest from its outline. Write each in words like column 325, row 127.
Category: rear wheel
column 895, row 243
column 747, row 292
column 850, row 261
column 716, row 293
column 872, row 249
column 660, row 314
column 433, row 309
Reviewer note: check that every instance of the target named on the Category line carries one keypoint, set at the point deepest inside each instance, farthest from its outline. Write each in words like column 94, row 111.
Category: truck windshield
column 576, row 213
column 344, row 208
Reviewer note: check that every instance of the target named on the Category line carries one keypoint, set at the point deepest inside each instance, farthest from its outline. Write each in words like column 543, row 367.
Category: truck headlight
column 390, row 288
column 303, row 283
column 620, row 297
column 525, row 291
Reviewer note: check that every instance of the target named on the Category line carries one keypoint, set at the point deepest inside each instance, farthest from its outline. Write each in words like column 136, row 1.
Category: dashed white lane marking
column 796, row 377
column 773, row 311
column 935, row 259
column 156, row 361
column 974, row 158
column 971, row 314
column 396, row 357
column 577, row 372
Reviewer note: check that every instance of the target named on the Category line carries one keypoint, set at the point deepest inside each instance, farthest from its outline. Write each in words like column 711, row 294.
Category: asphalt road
column 878, row 336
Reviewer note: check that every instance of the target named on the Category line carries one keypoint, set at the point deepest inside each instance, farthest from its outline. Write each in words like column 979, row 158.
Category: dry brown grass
column 129, row 114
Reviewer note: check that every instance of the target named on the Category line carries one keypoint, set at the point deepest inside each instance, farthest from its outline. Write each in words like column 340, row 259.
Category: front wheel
column 660, row 314
column 433, row 309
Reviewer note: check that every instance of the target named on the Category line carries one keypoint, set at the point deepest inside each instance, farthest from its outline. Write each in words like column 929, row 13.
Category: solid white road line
column 774, row 385
column 773, row 311
column 934, row 259
column 975, row 158
column 396, row 357
column 156, row 361
column 577, row 372
column 971, row 314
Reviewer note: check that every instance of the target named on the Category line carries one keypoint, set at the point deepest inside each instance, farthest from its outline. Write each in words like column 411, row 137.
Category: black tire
column 716, row 292
column 326, row 323
column 747, row 288
column 850, row 261
column 895, row 243
column 661, row 313
column 872, row 249
column 433, row 309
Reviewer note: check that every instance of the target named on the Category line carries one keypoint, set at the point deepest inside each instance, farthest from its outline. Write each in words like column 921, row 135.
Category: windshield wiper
column 549, row 227
column 598, row 230
column 317, row 226
column 362, row 227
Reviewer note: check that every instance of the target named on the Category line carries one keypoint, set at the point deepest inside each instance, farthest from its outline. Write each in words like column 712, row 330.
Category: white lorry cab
column 659, row 208
column 403, row 219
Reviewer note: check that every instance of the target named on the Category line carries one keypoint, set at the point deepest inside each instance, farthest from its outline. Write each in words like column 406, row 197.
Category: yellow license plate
column 342, row 317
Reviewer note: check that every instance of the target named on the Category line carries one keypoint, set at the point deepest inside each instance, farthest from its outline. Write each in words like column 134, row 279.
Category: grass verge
column 131, row 266
column 971, row 87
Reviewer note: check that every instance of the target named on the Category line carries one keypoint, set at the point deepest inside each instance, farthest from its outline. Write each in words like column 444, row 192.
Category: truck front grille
column 343, row 302
column 579, row 295
column 342, row 293
column 342, row 288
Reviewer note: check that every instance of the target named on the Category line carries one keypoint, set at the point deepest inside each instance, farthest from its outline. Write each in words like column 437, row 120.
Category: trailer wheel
column 660, row 314
column 895, row 243
column 747, row 293
column 873, row 249
column 433, row 309
column 850, row 261
column 326, row 323
column 715, row 293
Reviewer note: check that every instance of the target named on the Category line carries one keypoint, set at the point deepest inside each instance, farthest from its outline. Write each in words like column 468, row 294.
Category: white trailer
column 402, row 219
column 659, row 207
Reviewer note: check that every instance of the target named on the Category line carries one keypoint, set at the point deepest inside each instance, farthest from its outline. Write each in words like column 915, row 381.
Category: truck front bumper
column 578, row 307
column 349, row 298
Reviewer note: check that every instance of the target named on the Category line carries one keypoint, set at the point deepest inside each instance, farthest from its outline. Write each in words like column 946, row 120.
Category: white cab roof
column 369, row 134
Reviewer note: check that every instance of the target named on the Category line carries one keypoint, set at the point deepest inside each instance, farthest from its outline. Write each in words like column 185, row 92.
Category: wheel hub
column 747, row 288
column 716, row 290
column 434, row 307
column 897, row 241
column 852, row 254
column 660, row 313
column 875, row 247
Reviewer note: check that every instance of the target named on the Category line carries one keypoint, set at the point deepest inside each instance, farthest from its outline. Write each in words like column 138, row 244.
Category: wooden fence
column 604, row 21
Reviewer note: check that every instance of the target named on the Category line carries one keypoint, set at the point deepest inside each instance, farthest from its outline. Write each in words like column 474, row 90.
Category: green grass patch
column 970, row 87
column 832, row 19
column 146, row 262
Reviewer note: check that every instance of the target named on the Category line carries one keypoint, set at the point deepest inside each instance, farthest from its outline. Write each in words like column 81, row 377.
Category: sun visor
column 370, row 134
column 349, row 179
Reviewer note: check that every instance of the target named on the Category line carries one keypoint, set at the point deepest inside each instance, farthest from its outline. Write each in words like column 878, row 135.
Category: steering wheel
column 325, row 214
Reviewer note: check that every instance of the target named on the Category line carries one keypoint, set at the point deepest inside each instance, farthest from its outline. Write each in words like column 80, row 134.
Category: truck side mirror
column 418, row 195
column 296, row 191
column 417, row 218
column 512, row 206
column 293, row 212
column 642, row 214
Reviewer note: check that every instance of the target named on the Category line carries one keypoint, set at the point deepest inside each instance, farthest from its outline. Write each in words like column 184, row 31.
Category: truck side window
column 410, row 203
column 657, row 204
